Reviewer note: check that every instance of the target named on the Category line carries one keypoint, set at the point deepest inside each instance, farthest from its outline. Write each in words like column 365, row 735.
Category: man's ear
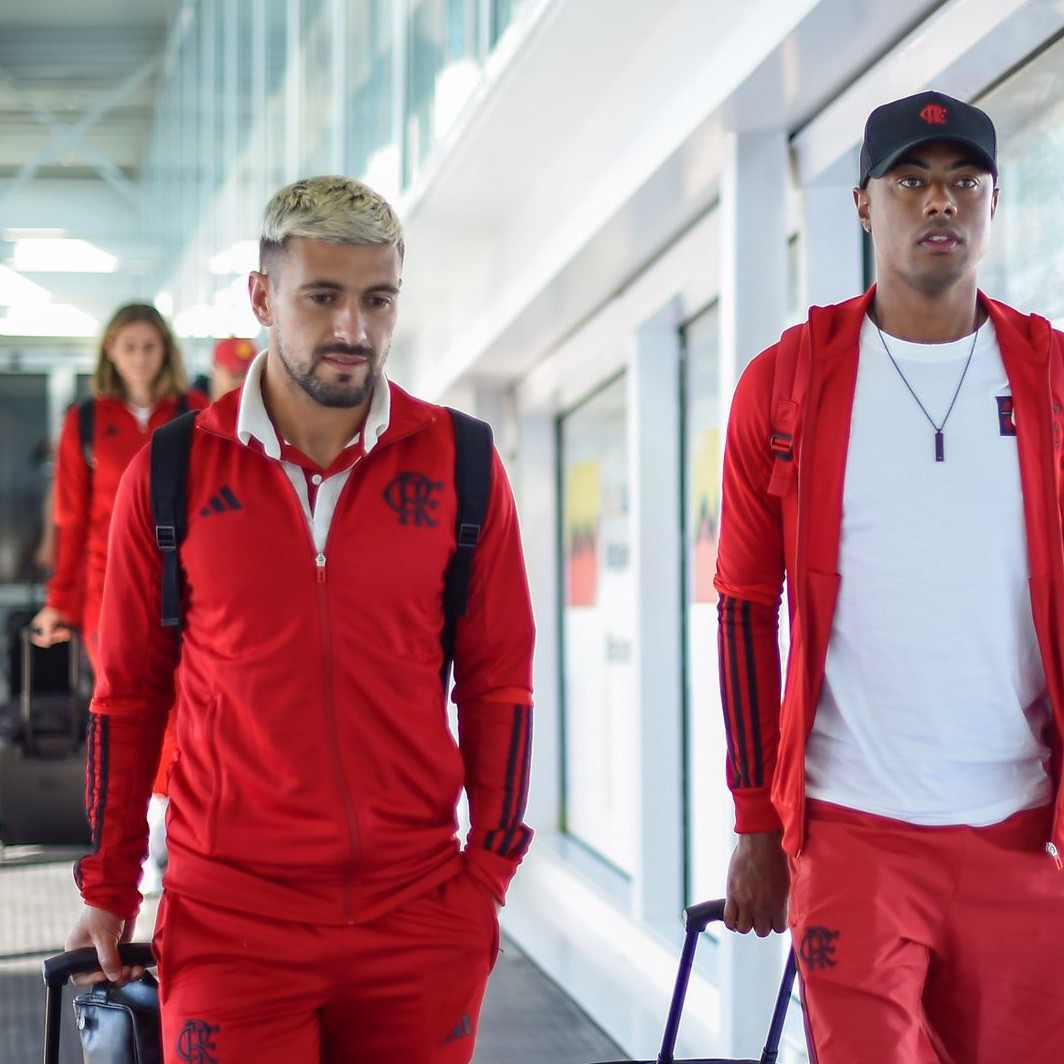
column 994, row 201
column 259, row 291
column 860, row 201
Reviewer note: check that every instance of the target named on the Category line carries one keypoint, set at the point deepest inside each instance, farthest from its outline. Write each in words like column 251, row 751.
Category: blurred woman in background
column 138, row 384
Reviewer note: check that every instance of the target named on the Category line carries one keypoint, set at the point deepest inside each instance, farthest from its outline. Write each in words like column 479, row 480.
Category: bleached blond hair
column 336, row 209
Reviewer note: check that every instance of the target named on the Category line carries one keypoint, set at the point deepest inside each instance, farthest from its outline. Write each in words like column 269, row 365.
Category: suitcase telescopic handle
column 74, row 657
column 698, row 917
column 57, row 971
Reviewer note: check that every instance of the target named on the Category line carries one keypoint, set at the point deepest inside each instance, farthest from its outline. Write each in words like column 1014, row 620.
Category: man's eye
column 321, row 298
column 910, row 182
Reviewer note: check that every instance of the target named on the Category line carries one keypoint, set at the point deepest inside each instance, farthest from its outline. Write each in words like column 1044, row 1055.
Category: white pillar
column 753, row 202
column 534, row 483
column 654, row 457
column 832, row 243
column 753, row 210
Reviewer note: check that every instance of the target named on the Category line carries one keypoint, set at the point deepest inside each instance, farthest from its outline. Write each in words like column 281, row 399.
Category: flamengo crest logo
column 934, row 114
column 410, row 496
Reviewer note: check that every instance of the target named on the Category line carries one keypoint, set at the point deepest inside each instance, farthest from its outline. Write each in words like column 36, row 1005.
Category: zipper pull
column 319, row 561
column 1055, row 854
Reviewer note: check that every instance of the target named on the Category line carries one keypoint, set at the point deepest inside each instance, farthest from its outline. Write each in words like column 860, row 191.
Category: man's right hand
column 104, row 930
column 49, row 626
column 758, row 883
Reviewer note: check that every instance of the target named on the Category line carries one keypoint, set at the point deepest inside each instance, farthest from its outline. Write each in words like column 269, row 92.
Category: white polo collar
column 253, row 422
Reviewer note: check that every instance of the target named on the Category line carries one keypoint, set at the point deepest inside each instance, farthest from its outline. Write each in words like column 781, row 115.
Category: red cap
column 234, row 354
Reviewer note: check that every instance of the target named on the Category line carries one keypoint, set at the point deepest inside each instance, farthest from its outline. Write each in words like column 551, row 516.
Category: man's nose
column 349, row 325
column 939, row 200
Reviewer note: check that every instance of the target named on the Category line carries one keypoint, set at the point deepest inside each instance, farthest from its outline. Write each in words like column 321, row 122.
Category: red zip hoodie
column 316, row 776
column 84, row 499
column 763, row 538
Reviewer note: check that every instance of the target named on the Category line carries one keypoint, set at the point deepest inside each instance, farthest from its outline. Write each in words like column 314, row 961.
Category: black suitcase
column 696, row 918
column 117, row 1024
column 42, row 761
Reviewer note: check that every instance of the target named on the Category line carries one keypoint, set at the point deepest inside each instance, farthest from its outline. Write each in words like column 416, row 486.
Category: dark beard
column 339, row 395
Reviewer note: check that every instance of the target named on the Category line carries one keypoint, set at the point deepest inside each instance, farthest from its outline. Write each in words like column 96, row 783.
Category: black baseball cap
column 896, row 128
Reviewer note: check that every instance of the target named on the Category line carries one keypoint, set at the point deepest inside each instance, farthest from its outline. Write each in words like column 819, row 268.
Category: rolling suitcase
column 42, row 761
column 696, row 919
column 117, row 1024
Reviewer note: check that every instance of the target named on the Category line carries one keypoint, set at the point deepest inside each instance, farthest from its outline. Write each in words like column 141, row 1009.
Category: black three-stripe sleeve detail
column 518, row 767
column 739, row 692
column 96, row 773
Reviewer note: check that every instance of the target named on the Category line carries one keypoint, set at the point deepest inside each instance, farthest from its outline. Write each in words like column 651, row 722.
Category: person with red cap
column 229, row 364
column 894, row 462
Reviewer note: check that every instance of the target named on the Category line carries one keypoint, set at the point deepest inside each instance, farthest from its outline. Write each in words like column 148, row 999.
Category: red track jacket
column 316, row 777
column 84, row 500
column 763, row 537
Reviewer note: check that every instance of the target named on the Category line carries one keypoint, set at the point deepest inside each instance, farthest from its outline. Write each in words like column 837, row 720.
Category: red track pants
column 238, row 988
column 940, row 945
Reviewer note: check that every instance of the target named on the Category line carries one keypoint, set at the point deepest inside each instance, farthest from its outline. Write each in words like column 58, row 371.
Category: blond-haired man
column 318, row 903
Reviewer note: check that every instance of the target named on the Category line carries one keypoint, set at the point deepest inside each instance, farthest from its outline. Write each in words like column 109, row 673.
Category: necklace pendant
column 940, row 447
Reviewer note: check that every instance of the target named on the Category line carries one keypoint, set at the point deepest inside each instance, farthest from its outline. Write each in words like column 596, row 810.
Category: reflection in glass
column 598, row 628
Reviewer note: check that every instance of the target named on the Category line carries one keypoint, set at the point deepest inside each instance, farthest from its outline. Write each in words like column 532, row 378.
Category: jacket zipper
column 330, row 723
column 1054, row 853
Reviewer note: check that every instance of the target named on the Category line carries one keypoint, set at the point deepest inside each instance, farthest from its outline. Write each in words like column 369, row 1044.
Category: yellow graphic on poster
column 705, row 511
column 583, row 509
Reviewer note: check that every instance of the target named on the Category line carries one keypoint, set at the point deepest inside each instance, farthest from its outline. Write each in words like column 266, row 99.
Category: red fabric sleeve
column 493, row 692
column 134, row 691
column 73, row 500
column 749, row 579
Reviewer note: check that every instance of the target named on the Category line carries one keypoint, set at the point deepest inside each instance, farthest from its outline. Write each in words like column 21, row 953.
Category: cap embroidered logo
column 934, row 115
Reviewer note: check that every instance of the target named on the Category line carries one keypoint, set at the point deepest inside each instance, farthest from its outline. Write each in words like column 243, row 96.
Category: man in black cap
column 897, row 458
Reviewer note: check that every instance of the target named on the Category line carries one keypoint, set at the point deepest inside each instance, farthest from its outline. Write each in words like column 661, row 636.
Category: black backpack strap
column 181, row 406
column 87, row 430
column 170, row 447
column 473, row 455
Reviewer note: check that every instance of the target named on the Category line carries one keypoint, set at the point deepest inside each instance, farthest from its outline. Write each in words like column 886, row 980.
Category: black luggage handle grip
column 59, row 969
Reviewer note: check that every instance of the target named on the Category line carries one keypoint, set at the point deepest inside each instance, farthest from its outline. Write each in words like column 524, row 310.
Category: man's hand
column 758, row 882
column 104, row 930
column 48, row 627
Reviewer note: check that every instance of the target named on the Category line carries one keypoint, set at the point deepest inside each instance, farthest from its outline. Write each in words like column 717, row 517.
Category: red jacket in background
column 764, row 538
column 316, row 776
column 84, row 500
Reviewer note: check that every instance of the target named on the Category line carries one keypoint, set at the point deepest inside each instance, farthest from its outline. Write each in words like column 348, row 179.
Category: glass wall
column 598, row 620
column 1025, row 263
column 257, row 93
column 709, row 815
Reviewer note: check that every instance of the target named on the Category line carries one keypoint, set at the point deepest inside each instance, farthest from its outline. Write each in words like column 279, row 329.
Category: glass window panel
column 709, row 805
column 317, row 86
column 372, row 148
column 443, row 68
column 598, row 628
column 1025, row 263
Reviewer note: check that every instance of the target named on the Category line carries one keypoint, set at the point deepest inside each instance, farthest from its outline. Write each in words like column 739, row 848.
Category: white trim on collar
column 253, row 422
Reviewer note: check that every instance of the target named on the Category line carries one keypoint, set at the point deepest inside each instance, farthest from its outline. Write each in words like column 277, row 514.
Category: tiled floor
column 526, row 1018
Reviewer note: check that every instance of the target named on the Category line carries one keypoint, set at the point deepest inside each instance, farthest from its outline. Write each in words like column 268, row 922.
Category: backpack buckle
column 781, row 444
column 166, row 537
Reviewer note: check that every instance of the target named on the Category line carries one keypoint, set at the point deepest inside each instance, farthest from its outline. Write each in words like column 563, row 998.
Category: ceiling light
column 52, row 319
column 16, row 290
column 57, row 255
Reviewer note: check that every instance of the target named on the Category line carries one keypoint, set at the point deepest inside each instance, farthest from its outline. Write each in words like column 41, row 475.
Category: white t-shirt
column 934, row 708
